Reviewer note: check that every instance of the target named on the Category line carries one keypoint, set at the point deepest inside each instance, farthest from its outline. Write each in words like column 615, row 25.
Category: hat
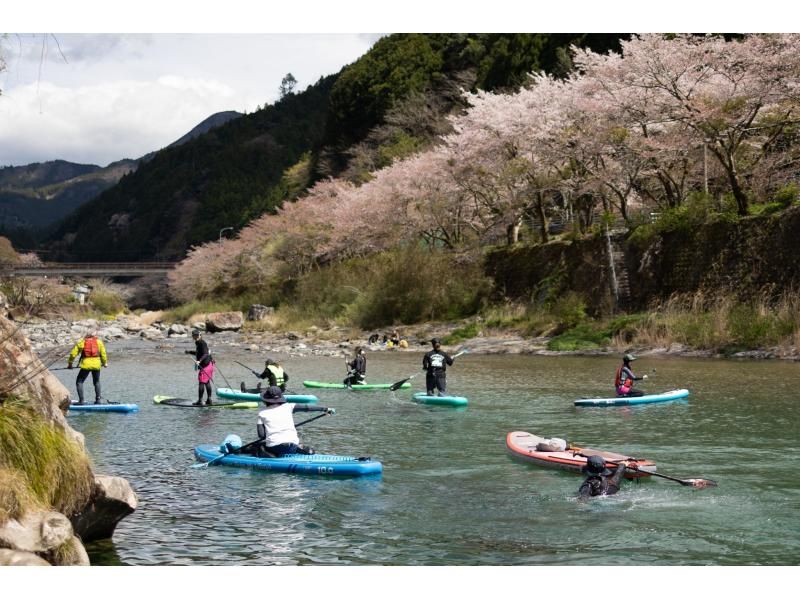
column 195, row 333
column 595, row 465
column 273, row 396
column 435, row 341
column 270, row 362
column 628, row 357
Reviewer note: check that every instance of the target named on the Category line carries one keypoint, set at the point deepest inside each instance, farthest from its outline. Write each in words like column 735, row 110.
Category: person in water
column 93, row 357
column 623, row 381
column 276, row 428
column 205, row 367
column 356, row 369
column 601, row 481
column 435, row 363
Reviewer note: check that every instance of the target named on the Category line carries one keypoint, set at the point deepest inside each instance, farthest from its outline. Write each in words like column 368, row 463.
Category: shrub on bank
column 39, row 464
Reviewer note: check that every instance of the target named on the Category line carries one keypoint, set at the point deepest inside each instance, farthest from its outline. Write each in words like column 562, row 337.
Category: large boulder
column 112, row 500
column 257, row 312
column 44, row 533
column 226, row 320
column 19, row 558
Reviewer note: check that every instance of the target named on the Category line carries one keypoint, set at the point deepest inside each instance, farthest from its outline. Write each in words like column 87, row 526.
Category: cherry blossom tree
column 736, row 97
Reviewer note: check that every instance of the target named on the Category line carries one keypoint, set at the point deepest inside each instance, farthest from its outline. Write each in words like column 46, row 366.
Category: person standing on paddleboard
column 93, row 356
column 276, row 428
column 205, row 367
column 623, row 381
column 600, row 480
column 356, row 369
column 435, row 363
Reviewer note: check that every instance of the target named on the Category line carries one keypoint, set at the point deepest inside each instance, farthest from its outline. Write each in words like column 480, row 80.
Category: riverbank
column 56, row 336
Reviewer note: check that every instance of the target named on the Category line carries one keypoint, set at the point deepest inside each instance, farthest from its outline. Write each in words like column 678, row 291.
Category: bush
column 459, row 335
column 107, row 303
column 39, row 464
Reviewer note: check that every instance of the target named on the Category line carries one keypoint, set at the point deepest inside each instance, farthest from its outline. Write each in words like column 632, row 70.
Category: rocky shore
column 228, row 329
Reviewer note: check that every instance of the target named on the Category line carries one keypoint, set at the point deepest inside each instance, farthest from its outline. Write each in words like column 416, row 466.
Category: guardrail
column 127, row 269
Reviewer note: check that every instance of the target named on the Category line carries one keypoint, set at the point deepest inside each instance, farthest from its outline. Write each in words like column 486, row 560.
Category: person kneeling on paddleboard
column 275, row 426
column 356, row 369
column 600, row 480
column 623, row 381
column 435, row 363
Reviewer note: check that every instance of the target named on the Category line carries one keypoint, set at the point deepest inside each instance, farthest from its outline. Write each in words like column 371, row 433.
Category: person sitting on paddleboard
column 356, row 369
column 274, row 372
column 623, row 381
column 205, row 367
column 600, row 480
column 275, row 425
column 435, row 363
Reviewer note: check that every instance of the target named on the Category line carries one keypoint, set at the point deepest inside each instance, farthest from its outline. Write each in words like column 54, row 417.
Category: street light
column 222, row 230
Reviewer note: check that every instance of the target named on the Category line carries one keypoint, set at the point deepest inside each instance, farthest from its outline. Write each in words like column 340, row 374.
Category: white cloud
column 103, row 97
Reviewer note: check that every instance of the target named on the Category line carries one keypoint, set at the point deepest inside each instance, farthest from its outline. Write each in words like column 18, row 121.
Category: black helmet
column 273, row 396
column 595, row 465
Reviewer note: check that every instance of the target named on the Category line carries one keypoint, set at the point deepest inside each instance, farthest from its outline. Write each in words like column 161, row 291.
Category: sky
column 82, row 94
column 97, row 98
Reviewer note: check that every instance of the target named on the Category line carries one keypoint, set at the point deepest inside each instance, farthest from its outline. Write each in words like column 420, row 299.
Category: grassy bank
column 39, row 465
column 717, row 324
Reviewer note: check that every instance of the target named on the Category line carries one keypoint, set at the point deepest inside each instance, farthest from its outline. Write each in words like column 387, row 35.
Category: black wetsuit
column 435, row 363
column 597, row 485
column 358, row 371
column 203, row 356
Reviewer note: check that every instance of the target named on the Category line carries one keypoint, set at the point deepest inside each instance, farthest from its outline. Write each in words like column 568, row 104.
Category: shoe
column 80, row 403
column 208, row 402
column 199, row 403
column 243, row 387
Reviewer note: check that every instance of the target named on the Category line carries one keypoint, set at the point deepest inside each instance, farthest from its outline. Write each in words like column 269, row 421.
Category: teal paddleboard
column 446, row 400
column 619, row 401
column 232, row 394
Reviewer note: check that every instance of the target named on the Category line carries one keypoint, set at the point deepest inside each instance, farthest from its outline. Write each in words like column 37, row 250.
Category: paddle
column 255, row 373
column 694, row 482
column 248, row 445
column 400, row 383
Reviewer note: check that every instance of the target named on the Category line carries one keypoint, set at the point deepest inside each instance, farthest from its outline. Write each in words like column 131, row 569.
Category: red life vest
column 90, row 347
column 618, row 379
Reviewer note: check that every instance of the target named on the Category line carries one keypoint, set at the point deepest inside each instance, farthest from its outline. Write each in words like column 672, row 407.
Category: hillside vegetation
column 248, row 167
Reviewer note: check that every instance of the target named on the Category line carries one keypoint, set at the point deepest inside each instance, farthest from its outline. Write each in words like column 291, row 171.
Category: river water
column 450, row 494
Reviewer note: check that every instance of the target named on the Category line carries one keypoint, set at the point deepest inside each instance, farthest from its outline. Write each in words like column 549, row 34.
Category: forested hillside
column 387, row 105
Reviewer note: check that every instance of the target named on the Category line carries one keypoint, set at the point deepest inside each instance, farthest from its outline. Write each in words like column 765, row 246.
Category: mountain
column 36, row 196
column 386, row 105
column 213, row 121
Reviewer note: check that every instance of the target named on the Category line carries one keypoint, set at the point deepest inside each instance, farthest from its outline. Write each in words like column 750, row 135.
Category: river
column 450, row 494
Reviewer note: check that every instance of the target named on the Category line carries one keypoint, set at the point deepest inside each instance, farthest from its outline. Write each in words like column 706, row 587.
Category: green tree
column 288, row 83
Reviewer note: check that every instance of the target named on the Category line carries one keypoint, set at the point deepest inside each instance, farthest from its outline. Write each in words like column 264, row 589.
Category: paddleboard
column 618, row 401
column 339, row 385
column 178, row 402
column 321, row 465
column 230, row 393
column 447, row 400
column 104, row 407
column 524, row 446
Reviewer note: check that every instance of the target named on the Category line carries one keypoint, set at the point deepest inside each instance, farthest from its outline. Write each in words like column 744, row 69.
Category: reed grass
column 39, row 464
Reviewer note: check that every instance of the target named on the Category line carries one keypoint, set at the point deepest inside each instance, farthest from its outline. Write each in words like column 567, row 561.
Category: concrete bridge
column 87, row 269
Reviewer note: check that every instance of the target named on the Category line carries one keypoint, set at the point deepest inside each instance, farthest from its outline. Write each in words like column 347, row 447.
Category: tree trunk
column 512, row 232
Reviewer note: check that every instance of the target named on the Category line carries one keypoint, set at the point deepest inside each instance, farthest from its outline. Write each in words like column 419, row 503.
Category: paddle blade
column 701, row 483
column 397, row 385
column 200, row 465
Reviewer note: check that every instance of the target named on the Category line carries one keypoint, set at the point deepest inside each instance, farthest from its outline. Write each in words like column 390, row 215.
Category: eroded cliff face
column 32, row 530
